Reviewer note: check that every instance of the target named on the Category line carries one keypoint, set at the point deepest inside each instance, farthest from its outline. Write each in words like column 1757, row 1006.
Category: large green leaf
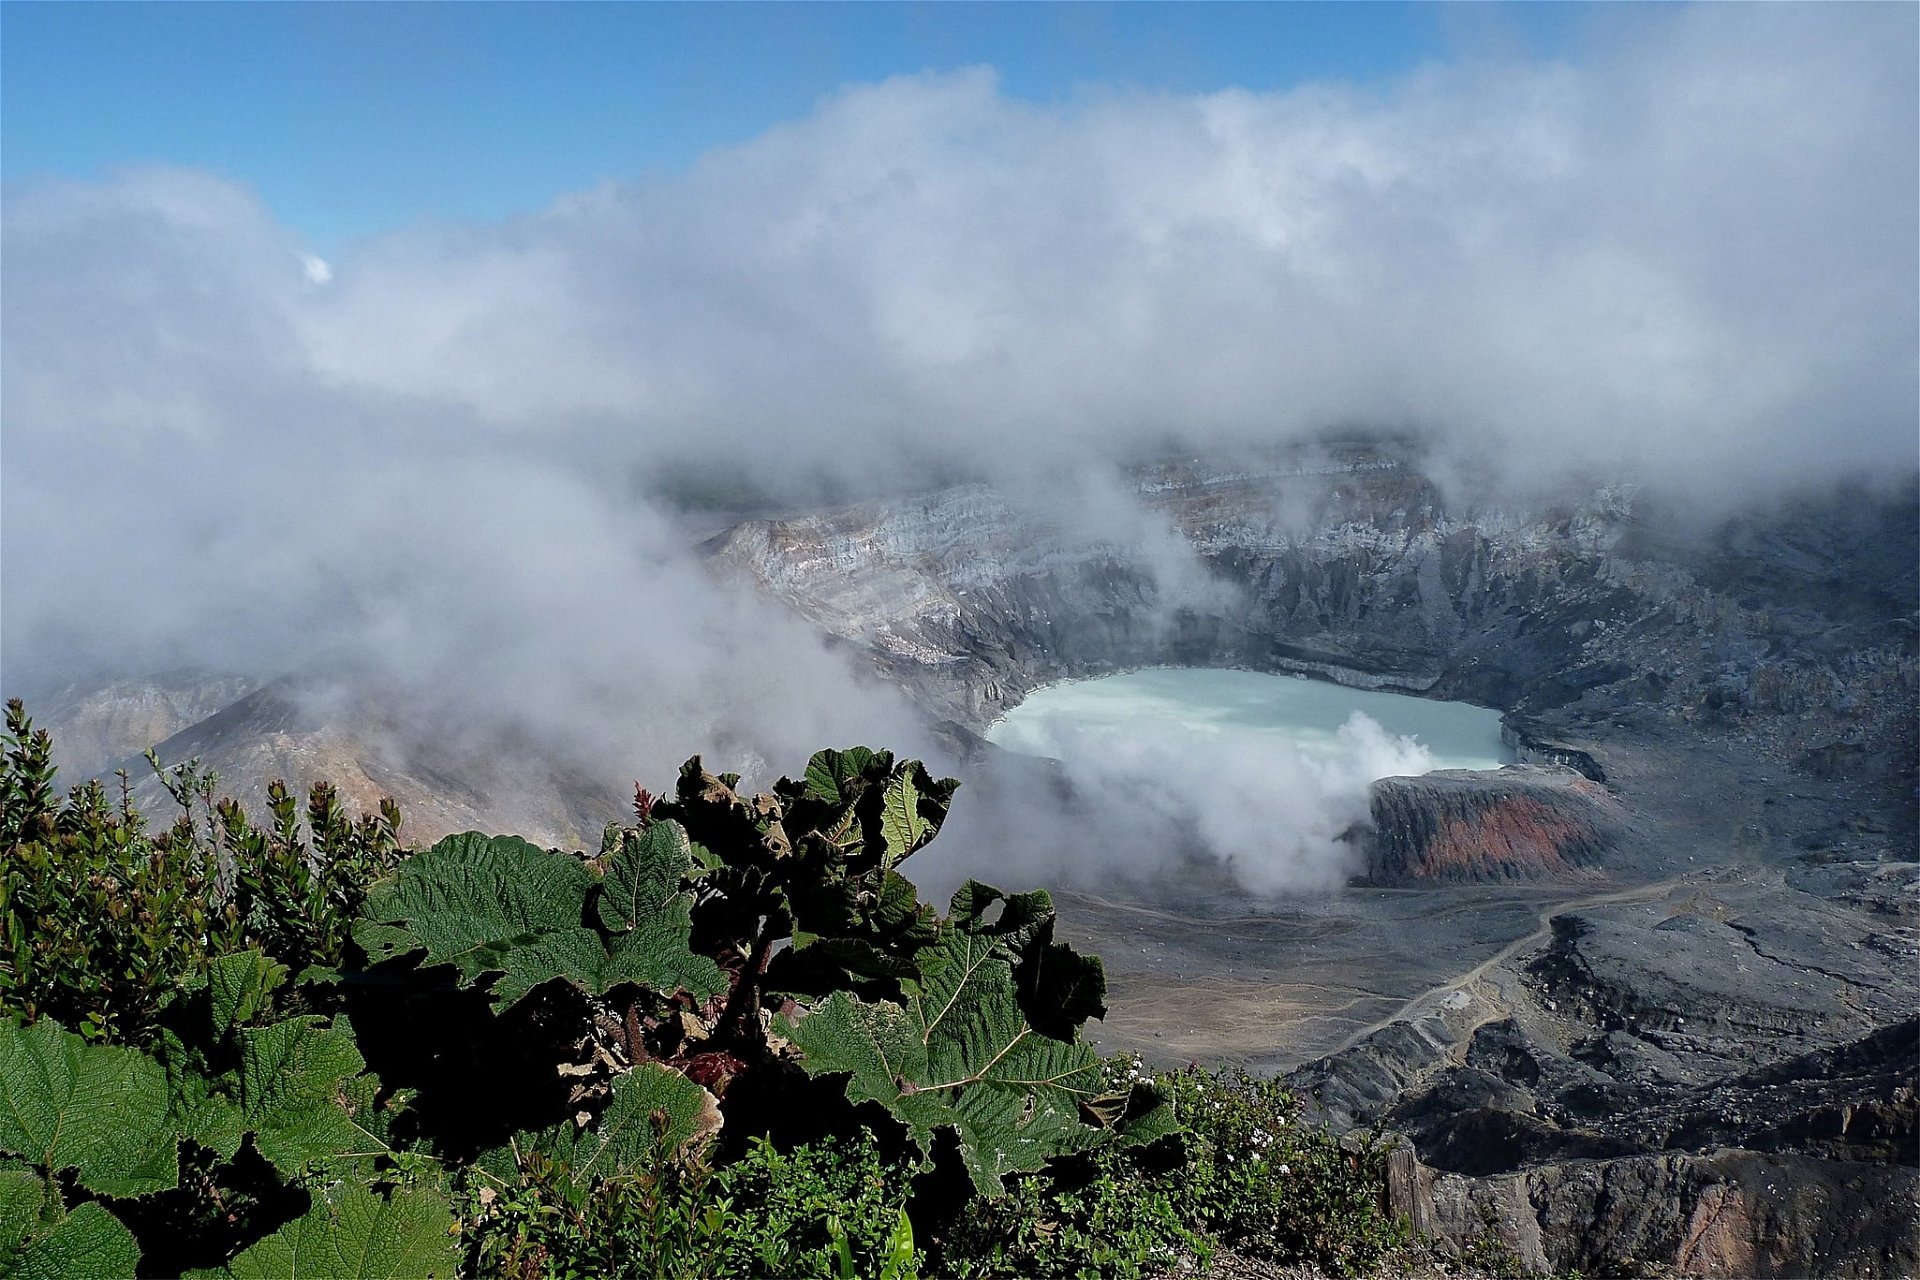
column 900, row 822
column 649, row 918
column 87, row 1244
column 1058, row 987
column 484, row 905
column 23, row 1195
column 204, row 1110
column 654, row 1112
column 240, row 986
column 100, row 1111
column 959, row 1054
column 300, row 1083
column 299, row 1086
column 504, row 907
column 836, row 777
column 409, row 1235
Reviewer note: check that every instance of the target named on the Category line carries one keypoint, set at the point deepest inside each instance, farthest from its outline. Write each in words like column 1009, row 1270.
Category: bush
column 1242, row 1171
column 1106, row 1215
column 830, row 1209
column 642, row 1063
column 1272, row 1188
column 105, row 924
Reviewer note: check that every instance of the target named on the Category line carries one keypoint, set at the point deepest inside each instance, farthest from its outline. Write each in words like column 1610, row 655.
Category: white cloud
column 1692, row 249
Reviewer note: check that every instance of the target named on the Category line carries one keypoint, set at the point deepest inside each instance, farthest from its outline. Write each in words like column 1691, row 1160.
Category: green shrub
column 104, row 924
column 1241, row 1171
column 1272, row 1188
column 752, row 967
column 831, row 1209
column 1104, row 1215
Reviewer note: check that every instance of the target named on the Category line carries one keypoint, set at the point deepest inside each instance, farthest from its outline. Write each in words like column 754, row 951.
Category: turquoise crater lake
column 1243, row 710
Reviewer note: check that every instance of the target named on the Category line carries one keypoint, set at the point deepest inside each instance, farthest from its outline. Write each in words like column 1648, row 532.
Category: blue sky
column 350, row 119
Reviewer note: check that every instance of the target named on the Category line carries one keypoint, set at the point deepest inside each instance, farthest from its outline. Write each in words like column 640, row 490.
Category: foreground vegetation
column 731, row 1042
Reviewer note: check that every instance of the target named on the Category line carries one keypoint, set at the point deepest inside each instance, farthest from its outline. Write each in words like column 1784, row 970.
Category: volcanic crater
column 1646, row 994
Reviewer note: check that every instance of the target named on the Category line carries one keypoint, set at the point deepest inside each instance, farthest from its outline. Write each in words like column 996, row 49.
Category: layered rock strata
column 1523, row 822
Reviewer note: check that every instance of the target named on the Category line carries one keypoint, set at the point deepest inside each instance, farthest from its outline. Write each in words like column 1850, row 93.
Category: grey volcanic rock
column 1726, row 1082
column 97, row 726
column 1523, row 822
column 1725, row 1213
column 1794, row 630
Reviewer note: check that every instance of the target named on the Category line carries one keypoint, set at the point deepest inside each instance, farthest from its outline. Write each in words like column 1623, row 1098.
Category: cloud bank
column 1147, row 802
column 435, row 458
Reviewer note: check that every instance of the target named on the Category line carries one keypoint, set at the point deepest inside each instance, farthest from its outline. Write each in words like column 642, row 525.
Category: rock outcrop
column 306, row 731
column 1725, row 1083
column 1733, row 1214
column 1793, row 630
column 1523, row 822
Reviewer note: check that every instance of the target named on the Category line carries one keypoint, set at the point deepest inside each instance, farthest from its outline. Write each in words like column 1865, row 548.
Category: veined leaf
column 481, row 904
column 406, row 1236
column 649, row 918
column 901, row 825
column 503, row 906
column 300, row 1084
column 299, row 1088
column 101, row 1111
column 87, row 1244
column 23, row 1197
column 1059, row 988
column 959, row 1054
column 832, row 775
column 653, row 1109
column 240, row 986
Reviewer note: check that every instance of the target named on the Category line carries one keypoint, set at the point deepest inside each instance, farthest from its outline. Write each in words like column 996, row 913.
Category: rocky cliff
column 1523, row 822
column 1792, row 630
column 1719, row 1080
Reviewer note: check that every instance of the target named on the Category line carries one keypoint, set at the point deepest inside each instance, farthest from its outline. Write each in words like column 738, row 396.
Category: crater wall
column 1792, row 632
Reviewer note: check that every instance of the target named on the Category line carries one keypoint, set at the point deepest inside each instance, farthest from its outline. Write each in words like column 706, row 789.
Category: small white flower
column 1283, row 1169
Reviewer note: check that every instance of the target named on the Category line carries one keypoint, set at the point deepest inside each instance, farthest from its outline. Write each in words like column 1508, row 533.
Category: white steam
column 1261, row 776
column 1691, row 250
column 1271, row 813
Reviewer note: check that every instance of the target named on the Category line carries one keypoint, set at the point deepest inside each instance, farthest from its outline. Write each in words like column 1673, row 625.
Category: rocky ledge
column 1718, row 1081
column 1523, row 822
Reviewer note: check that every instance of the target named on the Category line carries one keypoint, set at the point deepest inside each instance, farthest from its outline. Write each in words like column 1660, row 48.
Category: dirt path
column 1424, row 1002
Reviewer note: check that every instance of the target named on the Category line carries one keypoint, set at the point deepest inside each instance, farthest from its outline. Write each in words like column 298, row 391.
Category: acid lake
column 1243, row 709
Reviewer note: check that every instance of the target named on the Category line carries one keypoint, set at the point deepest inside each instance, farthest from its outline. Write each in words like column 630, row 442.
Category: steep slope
column 306, row 730
column 1346, row 563
column 1524, row 823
